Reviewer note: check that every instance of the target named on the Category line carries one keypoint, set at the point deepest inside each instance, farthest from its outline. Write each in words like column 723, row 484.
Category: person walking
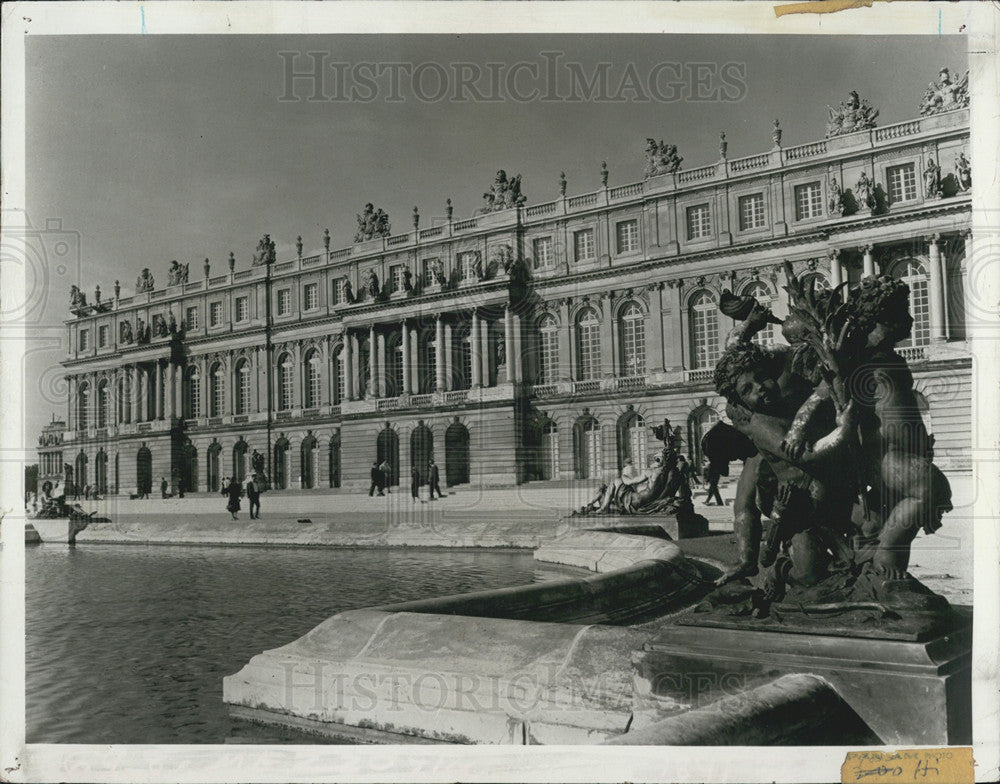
column 253, row 496
column 712, row 476
column 415, row 483
column 435, row 480
column 684, row 469
column 180, row 487
column 163, row 487
column 376, row 480
column 386, row 470
column 233, row 491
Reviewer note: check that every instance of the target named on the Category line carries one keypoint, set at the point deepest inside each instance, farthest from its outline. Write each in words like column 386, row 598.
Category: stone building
column 531, row 341
column 51, row 466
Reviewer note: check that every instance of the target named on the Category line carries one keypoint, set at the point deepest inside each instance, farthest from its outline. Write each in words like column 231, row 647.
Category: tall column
column 171, row 390
column 484, row 354
column 476, row 351
column 867, row 260
column 515, row 357
column 935, row 287
column 654, row 329
column 356, row 368
column 564, row 372
column 347, row 354
column 383, row 364
column 836, row 269
column 404, row 347
column 142, row 413
column 133, row 391
column 372, row 359
column 71, row 386
column 508, row 341
column 94, row 378
column 449, row 376
column 159, row 390
column 607, row 339
column 439, row 354
column 415, row 363
column 206, row 384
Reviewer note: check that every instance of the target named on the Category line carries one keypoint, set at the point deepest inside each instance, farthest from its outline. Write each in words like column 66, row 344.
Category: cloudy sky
column 154, row 148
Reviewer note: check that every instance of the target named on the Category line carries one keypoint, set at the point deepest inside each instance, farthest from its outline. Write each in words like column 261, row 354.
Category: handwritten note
column 928, row 766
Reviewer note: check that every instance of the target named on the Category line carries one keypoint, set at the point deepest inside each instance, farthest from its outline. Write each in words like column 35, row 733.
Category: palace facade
column 530, row 342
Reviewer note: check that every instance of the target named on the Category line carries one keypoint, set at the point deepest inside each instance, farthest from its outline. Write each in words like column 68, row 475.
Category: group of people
column 381, row 479
column 233, row 489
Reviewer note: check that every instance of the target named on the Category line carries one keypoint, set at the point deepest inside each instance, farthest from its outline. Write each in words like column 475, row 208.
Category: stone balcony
column 441, row 399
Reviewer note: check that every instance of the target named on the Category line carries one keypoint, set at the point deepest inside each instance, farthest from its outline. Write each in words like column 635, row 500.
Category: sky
column 153, row 148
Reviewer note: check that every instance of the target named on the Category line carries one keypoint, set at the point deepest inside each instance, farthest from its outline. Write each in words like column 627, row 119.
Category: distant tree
column 31, row 478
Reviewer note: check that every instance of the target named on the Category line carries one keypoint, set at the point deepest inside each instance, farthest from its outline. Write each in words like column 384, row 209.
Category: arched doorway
column 700, row 422
column 308, row 455
column 144, row 470
column 421, row 450
column 456, row 454
column 335, row 460
column 631, row 439
column 240, row 460
column 101, row 472
column 214, row 467
column 281, row 464
column 587, row 452
column 550, row 450
column 387, row 449
column 189, row 467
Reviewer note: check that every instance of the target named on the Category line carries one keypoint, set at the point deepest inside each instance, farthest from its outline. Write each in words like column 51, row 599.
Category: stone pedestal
column 906, row 691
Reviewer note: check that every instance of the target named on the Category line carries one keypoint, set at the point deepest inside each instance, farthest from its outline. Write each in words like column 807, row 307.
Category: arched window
column 339, row 389
column 394, row 364
column 762, row 294
column 243, row 387
column 548, row 350
column 217, row 390
column 588, row 340
column 193, row 396
column 285, row 381
column 103, row 404
column 704, row 316
column 313, row 376
column 632, row 440
column 632, row 325
column 550, row 450
column 914, row 274
column 593, row 454
column 83, row 406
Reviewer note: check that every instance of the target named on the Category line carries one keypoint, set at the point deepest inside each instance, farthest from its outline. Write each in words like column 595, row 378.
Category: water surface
column 129, row 644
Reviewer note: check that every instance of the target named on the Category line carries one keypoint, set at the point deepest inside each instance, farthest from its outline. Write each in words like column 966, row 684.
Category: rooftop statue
column 945, row 95
column 851, row 115
column 177, row 274
column 661, row 158
column 504, row 193
column 77, row 299
column 144, row 282
column 372, row 223
column 265, row 253
column 835, row 538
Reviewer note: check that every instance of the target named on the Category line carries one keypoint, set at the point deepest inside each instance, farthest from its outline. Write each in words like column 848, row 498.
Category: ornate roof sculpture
column 144, row 282
column 945, row 95
column 372, row 223
column 661, row 158
column 851, row 115
column 178, row 273
column 504, row 193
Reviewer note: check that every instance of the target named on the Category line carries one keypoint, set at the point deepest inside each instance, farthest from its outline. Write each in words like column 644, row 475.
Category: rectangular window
column 191, row 319
column 752, row 212
column 242, row 308
column 808, row 201
column 84, row 339
column 583, row 245
column 215, row 314
column 102, row 336
column 467, row 265
column 427, row 271
column 699, row 222
column 396, row 277
column 627, row 236
column 339, row 291
column 310, row 296
column 284, row 302
column 902, row 182
column 543, row 252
